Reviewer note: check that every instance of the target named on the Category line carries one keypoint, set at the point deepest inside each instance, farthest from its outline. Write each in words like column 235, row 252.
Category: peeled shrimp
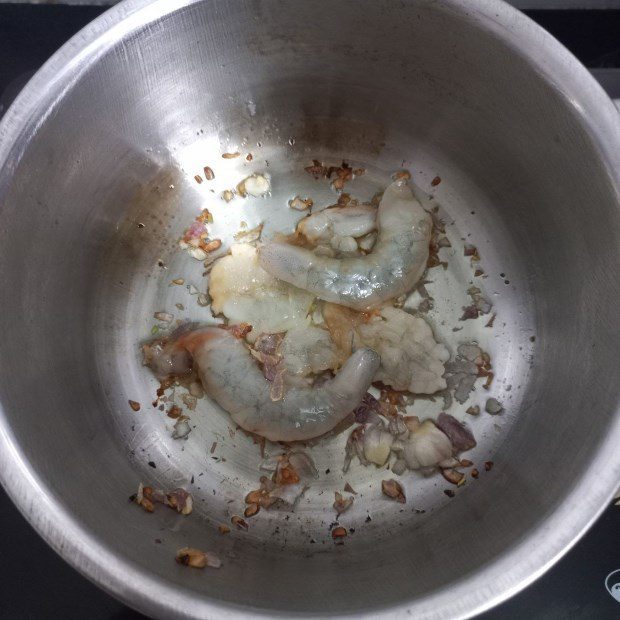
column 320, row 227
column 395, row 264
column 232, row 378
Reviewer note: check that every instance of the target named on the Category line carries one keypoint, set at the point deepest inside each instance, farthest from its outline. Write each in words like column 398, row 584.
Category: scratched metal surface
column 129, row 285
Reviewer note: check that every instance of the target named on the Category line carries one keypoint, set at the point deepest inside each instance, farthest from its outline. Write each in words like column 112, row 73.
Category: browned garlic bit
column 251, row 510
column 238, row 522
column 255, row 185
column 479, row 306
column 174, row 412
column 286, row 486
column 393, row 490
column 471, row 362
column 209, row 174
column 401, row 175
column 343, row 173
column 188, row 556
column 164, row 317
column 230, row 155
column 349, row 489
column 300, row 204
column 454, row 476
column 238, row 331
column 135, row 405
column 178, row 499
column 211, row 246
column 317, row 169
column 223, row 529
column 341, row 504
column 338, row 533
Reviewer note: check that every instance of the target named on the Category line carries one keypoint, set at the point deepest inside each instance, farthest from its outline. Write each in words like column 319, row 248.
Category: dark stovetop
column 36, row 583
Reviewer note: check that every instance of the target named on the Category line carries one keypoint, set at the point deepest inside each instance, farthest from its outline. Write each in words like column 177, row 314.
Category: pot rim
column 144, row 591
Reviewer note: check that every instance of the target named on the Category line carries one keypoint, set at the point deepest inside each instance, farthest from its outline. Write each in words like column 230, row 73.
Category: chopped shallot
column 303, row 464
column 377, row 445
column 181, row 428
column 368, row 410
column 493, row 406
column 471, row 362
column 398, row 427
column 255, row 185
column 399, row 467
column 354, row 447
column 460, row 436
column 479, row 306
column 426, row 447
column 239, row 331
column 249, row 236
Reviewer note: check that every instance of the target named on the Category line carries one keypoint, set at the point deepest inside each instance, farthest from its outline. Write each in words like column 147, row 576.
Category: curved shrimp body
column 395, row 264
column 233, row 379
column 341, row 221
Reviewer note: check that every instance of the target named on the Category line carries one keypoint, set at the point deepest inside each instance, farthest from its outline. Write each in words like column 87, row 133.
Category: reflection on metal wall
column 521, row 4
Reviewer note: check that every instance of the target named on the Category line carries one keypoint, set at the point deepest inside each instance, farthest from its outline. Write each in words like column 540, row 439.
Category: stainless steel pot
column 110, row 133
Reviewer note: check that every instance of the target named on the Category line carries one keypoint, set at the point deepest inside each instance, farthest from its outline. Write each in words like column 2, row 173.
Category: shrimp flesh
column 245, row 293
column 395, row 264
column 233, row 379
column 411, row 358
column 320, row 227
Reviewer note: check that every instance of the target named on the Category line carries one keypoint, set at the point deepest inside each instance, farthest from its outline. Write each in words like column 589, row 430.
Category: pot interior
column 103, row 186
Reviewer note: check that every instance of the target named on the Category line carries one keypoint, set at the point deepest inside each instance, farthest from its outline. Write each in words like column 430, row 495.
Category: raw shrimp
column 320, row 227
column 395, row 264
column 233, row 379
